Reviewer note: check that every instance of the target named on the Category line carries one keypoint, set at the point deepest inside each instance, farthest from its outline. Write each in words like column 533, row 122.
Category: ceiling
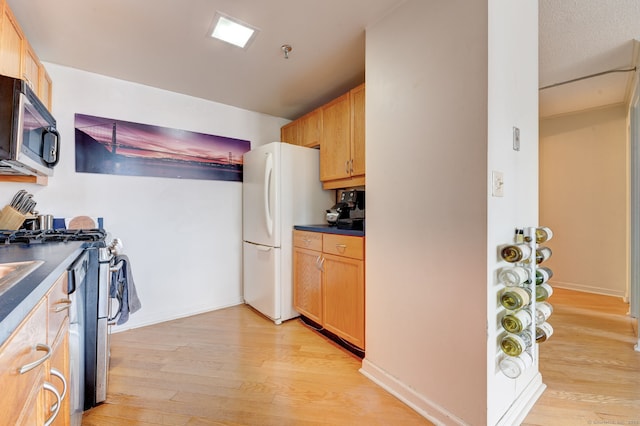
column 165, row 44
column 579, row 38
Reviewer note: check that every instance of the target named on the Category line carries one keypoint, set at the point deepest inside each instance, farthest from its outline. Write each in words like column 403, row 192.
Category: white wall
column 446, row 82
column 426, row 125
column 513, row 102
column 183, row 237
column 583, row 198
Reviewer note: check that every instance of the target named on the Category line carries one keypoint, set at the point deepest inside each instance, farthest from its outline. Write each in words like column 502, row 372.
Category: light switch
column 516, row 139
column 497, row 186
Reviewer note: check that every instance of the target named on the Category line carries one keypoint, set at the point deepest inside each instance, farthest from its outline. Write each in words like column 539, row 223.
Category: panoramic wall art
column 117, row 147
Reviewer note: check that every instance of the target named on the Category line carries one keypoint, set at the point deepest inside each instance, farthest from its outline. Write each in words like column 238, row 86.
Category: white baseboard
column 588, row 289
column 518, row 411
column 172, row 316
column 433, row 412
column 426, row 408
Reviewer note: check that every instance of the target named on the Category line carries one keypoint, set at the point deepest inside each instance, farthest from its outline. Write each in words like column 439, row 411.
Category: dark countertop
column 329, row 230
column 20, row 299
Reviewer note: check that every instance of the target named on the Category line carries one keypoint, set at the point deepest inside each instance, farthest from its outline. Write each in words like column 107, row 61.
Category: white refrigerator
column 281, row 188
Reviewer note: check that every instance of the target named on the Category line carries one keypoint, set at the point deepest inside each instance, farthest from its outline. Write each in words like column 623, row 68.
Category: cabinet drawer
column 308, row 240
column 343, row 245
column 18, row 351
column 58, row 306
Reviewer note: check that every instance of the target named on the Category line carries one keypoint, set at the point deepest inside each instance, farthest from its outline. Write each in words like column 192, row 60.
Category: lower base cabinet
column 329, row 282
column 34, row 364
column 344, row 298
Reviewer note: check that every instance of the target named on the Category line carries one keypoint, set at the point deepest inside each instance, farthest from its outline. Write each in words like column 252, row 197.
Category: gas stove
column 51, row 236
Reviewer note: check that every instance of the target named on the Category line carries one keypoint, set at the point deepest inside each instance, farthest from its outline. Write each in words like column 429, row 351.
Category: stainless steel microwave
column 29, row 141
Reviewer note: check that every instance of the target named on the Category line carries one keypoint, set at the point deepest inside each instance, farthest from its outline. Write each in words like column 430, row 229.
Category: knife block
column 11, row 219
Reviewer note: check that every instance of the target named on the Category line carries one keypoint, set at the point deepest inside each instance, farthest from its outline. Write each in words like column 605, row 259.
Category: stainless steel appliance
column 98, row 319
column 348, row 213
column 29, row 141
column 78, row 273
column 90, row 278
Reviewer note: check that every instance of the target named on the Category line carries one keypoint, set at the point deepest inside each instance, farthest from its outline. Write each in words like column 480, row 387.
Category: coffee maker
column 348, row 213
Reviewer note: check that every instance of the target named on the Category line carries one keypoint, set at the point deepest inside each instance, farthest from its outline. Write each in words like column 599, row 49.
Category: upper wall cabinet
column 310, row 129
column 18, row 59
column 338, row 129
column 342, row 147
column 11, row 39
column 289, row 133
column 305, row 131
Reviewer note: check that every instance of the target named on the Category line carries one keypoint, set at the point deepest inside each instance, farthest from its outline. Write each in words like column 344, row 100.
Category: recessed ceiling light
column 232, row 30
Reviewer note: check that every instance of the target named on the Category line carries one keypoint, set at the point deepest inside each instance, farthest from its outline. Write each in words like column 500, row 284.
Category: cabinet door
column 335, row 150
column 44, row 87
column 60, row 363
column 20, row 392
column 357, row 131
column 343, row 287
column 30, row 68
column 311, row 129
column 10, row 44
column 289, row 133
column 307, row 283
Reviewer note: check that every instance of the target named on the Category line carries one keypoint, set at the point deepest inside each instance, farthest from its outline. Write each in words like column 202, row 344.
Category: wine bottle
column 543, row 274
column 515, row 344
column 543, row 311
column 542, row 254
column 514, row 253
column 516, row 322
column 543, row 332
column 514, row 298
column 513, row 276
column 543, row 292
column 514, row 366
column 543, row 234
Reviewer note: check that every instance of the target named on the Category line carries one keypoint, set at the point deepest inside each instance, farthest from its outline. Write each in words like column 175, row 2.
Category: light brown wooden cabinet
column 329, row 282
column 44, row 86
column 310, row 129
column 338, row 129
column 342, row 148
column 289, row 133
column 307, row 274
column 22, row 392
column 58, row 339
column 305, row 131
column 26, row 401
column 18, row 59
column 11, row 39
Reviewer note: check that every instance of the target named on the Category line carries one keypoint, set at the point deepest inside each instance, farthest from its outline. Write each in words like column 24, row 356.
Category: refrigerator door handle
column 263, row 248
column 268, row 171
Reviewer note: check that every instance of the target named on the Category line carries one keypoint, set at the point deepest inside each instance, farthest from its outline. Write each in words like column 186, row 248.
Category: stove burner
column 51, row 236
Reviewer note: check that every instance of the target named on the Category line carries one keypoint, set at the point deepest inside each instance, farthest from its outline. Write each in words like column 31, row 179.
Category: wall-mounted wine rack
column 524, row 298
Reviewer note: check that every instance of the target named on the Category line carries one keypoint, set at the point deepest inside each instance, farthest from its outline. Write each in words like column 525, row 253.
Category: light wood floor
column 233, row 367
column 589, row 365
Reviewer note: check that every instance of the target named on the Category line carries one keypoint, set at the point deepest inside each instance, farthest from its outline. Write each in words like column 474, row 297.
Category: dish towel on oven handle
column 123, row 289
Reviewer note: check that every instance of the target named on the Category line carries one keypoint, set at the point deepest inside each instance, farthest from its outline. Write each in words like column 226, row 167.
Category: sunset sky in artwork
column 142, row 140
